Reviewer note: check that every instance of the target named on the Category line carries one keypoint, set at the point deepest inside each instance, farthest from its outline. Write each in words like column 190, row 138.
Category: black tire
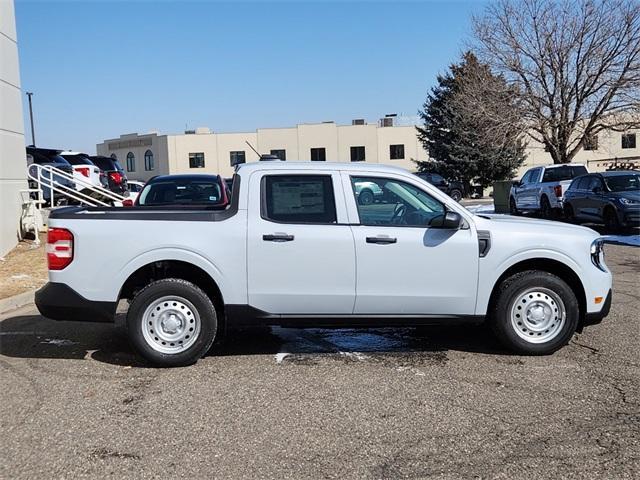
column 569, row 213
column 611, row 221
column 513, row 208
column 545, row 207
column 365, row 197
column 199, row 301
column 511, row 291
column 456, row 194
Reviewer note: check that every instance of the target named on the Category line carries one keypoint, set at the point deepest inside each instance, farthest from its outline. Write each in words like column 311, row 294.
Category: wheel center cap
column 171, row 324
column 537, row 313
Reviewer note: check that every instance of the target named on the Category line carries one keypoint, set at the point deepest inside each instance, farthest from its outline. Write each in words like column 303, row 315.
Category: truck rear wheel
column 535, row 313
column 172, row 322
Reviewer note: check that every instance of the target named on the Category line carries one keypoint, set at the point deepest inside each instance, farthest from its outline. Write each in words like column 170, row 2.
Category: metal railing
column 45, row 176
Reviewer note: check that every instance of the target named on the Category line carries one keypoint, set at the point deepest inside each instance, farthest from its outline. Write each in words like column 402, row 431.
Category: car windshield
column 188, row 192
column 623, row 183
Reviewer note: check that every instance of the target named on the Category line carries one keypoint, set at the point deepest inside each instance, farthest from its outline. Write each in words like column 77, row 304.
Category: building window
column 236, row 158
column 114, row 156
column 148, row 160
column 357, row 154
column 628, row 140
column 131, row 162
column 591, row 142
column 281, row 154
column 318, row 154
column 196, row 160
column 396, row 152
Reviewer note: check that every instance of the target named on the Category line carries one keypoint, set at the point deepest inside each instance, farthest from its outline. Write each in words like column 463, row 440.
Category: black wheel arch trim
column 58, row 301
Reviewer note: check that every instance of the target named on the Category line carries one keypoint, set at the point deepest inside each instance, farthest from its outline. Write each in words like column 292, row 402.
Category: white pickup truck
column 541, row 189
column 295, row 247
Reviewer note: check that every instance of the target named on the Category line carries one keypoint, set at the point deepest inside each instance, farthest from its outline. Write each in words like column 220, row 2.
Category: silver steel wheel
column 171, row 324
column 538, row 315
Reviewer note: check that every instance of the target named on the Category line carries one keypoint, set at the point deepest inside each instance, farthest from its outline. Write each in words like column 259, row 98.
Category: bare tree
column 575, row 65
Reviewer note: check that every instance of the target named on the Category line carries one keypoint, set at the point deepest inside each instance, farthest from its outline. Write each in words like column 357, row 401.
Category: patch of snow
column 281, row 356
column 20, row 276
column 357, row 355
column 58, row 342
column 481, row 208
column 631, row 240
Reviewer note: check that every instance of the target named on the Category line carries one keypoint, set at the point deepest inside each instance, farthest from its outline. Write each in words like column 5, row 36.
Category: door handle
column 278, row 237
column 382, row 240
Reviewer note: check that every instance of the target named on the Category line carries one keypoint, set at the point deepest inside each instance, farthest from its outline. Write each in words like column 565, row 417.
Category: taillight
column 59, row 248
column 127, row 202
column 558, row 190
column 116, row 177
column 84, row 171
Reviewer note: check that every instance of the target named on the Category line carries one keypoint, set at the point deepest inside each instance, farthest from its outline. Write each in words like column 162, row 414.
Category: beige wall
column 12, row 153
column 173, row 150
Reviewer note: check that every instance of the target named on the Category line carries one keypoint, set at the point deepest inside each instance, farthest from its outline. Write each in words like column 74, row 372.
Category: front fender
column 490, row 272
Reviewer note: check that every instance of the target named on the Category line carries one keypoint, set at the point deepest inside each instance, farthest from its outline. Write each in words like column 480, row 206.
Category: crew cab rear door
column 301, row 254
column 405, row 264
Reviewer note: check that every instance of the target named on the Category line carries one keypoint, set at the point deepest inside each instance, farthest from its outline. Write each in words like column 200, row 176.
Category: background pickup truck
column 295, row 247
column 541, row 189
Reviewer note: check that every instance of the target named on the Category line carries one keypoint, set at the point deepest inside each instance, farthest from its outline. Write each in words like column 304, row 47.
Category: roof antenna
column 251, row 147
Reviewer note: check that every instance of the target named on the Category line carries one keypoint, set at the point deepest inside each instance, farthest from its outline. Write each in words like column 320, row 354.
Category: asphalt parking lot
column 284, row 403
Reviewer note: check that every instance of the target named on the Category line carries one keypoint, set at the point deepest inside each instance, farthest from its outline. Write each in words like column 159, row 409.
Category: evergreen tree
column 472, row 126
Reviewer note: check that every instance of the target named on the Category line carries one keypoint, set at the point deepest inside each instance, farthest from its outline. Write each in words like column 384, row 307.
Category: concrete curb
column 17, row 301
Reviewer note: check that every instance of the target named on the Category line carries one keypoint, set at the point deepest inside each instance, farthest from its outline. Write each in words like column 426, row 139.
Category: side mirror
column 516, row 183
column 452, row 220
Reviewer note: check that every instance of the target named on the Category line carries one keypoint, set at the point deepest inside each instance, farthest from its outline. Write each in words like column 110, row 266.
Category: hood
column 531, row 224
column 630, row 195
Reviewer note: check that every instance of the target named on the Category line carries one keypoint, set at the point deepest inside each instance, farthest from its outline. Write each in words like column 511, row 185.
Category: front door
column 301, row 255
column 405, row 263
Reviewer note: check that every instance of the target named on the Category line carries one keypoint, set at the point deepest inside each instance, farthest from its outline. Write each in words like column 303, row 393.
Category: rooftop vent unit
column 189, row 132
column 386, row 121
column 269, row 158
column 358, row 121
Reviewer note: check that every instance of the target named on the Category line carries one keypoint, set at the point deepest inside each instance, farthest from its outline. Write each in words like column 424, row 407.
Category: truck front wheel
column 535, row 313
column 172, row 322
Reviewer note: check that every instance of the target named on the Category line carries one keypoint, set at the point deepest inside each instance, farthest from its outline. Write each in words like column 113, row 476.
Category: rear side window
column 565, row 172
column 298, row 199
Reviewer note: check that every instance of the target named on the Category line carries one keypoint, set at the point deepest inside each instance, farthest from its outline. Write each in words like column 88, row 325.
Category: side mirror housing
column 451, row 220
column 516, row 183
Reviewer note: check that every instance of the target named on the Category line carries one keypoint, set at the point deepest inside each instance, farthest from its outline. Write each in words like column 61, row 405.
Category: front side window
column 318, row 155
column 237, row 157
column 595, row 182
column 629, row 140
column 298, row 199
column 357, row 154
column 396, row 152
column 583, row 183
column 148, row 160
column 281, row 154
column 526, row 178
column 196, row 160
column 131, row 162
column 390, row 202
column 535, row 175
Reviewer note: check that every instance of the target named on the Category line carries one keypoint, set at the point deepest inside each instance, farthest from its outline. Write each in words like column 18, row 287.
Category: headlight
column 626, row 201
column 597, row 254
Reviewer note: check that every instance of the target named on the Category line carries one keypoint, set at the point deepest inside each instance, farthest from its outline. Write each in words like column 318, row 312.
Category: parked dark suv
column 612, row 198
column 112, row 174
column 51, row 158
column 452, row 188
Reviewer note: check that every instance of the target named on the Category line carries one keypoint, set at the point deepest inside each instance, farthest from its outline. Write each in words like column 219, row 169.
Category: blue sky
column 100, row 69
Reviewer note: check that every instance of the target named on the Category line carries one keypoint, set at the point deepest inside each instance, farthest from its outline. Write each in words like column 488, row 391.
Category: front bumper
column 597, row 317
column 58, row 301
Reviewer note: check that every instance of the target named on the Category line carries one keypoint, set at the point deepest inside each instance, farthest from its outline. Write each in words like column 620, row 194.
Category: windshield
column 623, row 183
column 188, row 192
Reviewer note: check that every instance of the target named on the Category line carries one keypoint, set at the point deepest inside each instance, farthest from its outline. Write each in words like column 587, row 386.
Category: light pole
column 33, row 133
